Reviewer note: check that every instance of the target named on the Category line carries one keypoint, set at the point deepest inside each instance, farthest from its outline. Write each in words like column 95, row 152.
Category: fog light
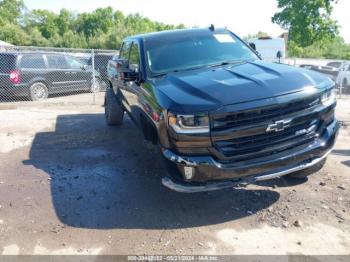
column 188, row 172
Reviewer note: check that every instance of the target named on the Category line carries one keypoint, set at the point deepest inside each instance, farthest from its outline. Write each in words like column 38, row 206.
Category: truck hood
column 210, row 88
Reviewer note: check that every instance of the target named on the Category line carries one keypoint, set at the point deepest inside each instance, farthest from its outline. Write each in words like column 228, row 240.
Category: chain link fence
column 337, row 70
column 49, row 75
column 65, row 75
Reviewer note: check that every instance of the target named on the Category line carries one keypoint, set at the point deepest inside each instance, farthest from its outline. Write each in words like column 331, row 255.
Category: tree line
column 103, row 28
column 312, row 32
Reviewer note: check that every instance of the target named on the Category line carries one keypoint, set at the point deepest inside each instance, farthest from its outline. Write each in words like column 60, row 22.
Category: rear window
column 7, row 63
column 32, row 61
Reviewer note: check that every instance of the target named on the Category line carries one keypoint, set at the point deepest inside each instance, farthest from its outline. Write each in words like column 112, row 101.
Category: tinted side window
column 32, row 61
column 57, row 62
column 74, row 63
column 124, row 53
column 134, row 59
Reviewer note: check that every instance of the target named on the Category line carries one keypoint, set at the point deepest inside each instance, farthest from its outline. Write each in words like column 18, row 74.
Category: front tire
column 38, row 92
column 302, row 174
column 114, row 111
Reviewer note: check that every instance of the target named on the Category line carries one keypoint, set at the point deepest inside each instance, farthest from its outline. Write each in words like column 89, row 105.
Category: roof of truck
column 167, row 33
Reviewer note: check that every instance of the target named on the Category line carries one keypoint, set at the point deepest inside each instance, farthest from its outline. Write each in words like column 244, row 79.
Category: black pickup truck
column 220, row 114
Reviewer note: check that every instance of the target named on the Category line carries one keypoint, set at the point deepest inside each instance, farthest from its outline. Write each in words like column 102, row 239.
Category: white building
column 268, row 47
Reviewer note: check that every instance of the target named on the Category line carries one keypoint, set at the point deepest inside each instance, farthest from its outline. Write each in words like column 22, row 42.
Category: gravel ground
column 71, row 185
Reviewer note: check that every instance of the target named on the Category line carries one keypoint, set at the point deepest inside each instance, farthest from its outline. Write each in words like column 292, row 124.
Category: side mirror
column 125, row 72
column 252, row 46
column 84, row 67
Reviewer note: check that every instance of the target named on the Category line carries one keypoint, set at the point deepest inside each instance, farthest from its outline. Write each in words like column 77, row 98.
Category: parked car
column 101, row 62
column 331, row 69
column 37, row 74
column 220, row 115
column 343, row 78
column 335, row 64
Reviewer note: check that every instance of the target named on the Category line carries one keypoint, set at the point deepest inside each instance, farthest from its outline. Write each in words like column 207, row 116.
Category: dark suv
column 220, row 114
column 36, row 75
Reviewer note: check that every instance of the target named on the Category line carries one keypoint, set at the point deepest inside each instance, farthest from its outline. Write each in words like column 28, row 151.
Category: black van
column 37, row 74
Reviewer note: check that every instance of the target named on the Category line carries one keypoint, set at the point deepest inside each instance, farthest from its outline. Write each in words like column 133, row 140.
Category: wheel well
column 39, row 82
column 148, row 129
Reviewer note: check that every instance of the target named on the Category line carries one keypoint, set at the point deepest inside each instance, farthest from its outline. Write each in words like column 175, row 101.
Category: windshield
column 188, row 51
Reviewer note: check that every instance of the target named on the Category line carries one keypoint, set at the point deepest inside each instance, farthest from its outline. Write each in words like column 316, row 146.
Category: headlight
column 328, row 98
column 189, row 124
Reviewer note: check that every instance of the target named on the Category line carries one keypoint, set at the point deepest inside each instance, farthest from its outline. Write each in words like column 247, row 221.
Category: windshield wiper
column 199, row 67
column 177, row 71
column 226, row 63
column 159, row 75
column 187, row 69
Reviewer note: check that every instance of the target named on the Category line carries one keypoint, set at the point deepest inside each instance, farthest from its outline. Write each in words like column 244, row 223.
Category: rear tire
column 302, row 174
column 38, row 92
column 114, row 111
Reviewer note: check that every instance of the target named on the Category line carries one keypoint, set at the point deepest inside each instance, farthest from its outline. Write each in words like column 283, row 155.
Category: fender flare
column 39, row 80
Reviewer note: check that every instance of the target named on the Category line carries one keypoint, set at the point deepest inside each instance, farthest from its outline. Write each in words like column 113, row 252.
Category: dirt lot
column 71, row 185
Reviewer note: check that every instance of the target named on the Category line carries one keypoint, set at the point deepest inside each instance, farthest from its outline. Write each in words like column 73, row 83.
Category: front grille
column 224, row 121
column 243, row 135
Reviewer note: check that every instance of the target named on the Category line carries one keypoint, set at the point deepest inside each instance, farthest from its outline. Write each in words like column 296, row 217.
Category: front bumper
column 210, row 174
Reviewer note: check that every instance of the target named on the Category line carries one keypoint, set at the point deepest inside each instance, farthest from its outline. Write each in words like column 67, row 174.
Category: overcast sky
column 241, row 16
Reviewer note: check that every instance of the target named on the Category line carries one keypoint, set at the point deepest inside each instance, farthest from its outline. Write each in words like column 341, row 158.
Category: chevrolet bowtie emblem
column 278, row 125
